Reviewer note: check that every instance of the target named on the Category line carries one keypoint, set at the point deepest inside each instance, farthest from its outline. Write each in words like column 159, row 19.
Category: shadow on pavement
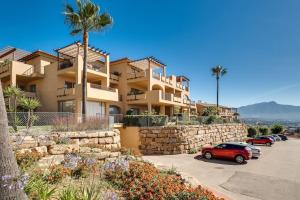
column 218, row 161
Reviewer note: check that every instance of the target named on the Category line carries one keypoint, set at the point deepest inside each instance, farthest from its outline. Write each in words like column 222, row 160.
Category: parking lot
column 274, row 176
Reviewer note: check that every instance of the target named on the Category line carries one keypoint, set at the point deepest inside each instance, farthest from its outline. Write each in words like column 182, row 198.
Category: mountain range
column 270, row 111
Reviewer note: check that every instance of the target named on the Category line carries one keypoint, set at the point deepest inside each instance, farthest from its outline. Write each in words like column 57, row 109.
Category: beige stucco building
column 112, row 87
column 224, row 111
column 144, row 85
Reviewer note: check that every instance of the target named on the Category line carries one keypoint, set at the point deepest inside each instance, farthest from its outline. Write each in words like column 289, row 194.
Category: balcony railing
column 114, row 77
column 101, row 87
column 135, row 75
column 61, row 92
column 30, row 95
column 66, row 64
column 96, row 68
column 167, row 96
column 4, row 67
column 177, row 99
column 136, row 96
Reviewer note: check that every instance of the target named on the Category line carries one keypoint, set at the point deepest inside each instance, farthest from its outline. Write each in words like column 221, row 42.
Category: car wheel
column 268, row 144
column 239, row 159
column 207, row 155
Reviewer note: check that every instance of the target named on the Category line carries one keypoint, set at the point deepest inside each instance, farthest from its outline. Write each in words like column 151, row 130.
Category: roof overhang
column 144, row 63
column 77, row 48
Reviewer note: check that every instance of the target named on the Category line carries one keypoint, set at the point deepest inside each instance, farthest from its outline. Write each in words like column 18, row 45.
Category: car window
column 221, row 146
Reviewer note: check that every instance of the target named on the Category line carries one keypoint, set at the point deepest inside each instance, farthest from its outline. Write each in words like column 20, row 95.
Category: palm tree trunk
column 218, row 94
column 84, row 74
column 8, row 164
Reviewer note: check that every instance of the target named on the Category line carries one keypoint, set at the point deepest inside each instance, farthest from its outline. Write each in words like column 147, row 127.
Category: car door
column 220, row 151
column 259, row 140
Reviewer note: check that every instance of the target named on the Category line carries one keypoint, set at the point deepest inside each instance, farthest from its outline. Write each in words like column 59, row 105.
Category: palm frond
column 86, row 17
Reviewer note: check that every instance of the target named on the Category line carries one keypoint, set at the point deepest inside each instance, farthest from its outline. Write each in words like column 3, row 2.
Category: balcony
column 5, row 67
column 66, row 92
column 94, row 92
column 99, row 92
column 114, row 77
column 136, row 75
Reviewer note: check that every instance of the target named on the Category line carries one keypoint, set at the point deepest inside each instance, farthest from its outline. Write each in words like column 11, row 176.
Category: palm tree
column 85, row 19
column 30, row 105
column 8, row 164
column 12, row 93
column 218, row 72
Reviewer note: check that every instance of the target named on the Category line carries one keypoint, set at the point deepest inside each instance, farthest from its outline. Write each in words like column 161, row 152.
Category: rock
column 63, row 149
column 50, row 160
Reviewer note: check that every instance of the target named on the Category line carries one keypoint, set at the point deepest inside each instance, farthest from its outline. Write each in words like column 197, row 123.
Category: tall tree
column 8, row 164
column 82, row 20
column 218, row 72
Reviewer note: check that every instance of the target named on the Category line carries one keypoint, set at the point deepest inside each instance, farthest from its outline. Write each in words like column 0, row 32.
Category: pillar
column 162, row 109
column 149, row 107
column 107, row 70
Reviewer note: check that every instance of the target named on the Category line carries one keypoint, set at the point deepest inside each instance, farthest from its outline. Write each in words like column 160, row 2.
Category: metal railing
column 96, row 68
column 5, row 66
column 114, row 77
column 41, row 122
column 101, row 87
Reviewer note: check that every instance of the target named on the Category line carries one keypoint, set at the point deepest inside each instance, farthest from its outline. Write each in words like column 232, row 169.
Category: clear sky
column 258, row 41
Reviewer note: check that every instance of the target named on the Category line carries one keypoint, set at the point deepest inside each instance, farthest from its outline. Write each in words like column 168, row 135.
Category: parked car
column 271, row 137
column 256, row 151
column 283, row 137
column 237, row 152
column 277, row 138
column 261, row 140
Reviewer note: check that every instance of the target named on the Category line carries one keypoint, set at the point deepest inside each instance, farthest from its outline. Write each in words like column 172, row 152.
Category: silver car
column 276, row 137
column 256, row 151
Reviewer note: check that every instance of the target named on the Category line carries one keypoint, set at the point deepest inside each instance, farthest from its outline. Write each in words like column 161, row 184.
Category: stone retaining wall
column 102, row 145
column 181, row 139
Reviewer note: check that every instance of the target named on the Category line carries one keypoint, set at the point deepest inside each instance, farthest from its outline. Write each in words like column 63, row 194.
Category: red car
column 261, row 140
column 237, row 152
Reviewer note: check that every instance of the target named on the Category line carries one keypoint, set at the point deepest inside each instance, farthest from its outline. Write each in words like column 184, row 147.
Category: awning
column 73, row 49
column 143, row 63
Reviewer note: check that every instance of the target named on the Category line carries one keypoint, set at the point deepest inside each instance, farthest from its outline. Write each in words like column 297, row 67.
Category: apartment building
column 144, row 85
column 57, row 80
column 112, row 87
column 224, row 111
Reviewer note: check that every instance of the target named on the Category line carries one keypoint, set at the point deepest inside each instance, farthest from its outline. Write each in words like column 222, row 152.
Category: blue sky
column 258, row 41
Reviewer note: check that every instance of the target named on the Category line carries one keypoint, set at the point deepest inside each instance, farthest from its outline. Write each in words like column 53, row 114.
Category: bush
column 251, row 132
column 263, row 130
column 277, row 129
column 193, row 150
column 56, row 174
column 144, row 181
column 145, row 120
column 73, row 123
column 27, row 159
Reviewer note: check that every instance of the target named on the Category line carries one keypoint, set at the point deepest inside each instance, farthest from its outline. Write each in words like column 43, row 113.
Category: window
column 114, row 110
column 69, row 84
column 66, row 106
column 32, row 88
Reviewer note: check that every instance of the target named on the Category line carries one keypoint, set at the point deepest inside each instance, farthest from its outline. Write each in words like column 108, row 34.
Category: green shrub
column 193, row 150
column 145, row 120
column 277, row 129
column 69, row 193
column 251, row 132
column 211, row 119
column 263, row 130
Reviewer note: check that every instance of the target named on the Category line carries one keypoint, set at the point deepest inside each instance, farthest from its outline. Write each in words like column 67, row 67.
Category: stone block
column 50, row 160
column 63, row 149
